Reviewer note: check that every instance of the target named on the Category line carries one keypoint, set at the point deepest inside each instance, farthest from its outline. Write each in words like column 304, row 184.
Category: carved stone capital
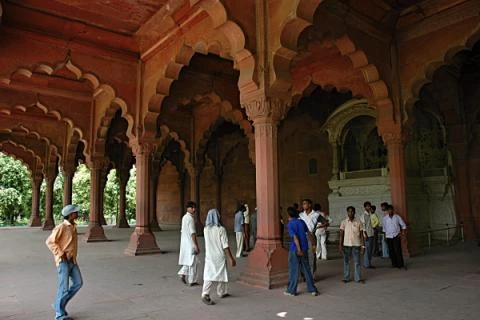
column 140, row 147
column 260, row 107
column 97, row 163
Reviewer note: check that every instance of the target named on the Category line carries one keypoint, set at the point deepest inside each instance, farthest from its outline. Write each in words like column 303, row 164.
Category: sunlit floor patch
column 281, row 314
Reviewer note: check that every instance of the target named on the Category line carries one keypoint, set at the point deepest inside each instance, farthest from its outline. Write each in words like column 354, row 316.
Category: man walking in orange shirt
column 63, row 244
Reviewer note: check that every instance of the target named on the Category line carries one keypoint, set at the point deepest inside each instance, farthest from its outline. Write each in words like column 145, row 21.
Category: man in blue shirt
column 239, row 229
column 298, row 254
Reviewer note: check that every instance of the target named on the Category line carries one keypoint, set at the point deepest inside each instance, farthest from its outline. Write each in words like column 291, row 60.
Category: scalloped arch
column 33, row 134
column 35, row 157
column 227, row 113
column 167, row 134
column 225, row 39
column 103, row 94
column 425, row 76
column 289, row 50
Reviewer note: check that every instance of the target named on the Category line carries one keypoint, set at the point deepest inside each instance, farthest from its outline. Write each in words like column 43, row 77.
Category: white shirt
column 186, row 256
column 216, row 241
column 310, row 219
column 391, row 225
column 246, row 216
column 367, row 222
column 352, row 230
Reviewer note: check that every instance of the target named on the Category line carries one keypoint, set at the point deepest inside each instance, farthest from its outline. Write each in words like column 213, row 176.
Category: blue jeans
column 65, row 292
column 385, row 253
column 369, row 247
column 355, row 252
column 295, row 264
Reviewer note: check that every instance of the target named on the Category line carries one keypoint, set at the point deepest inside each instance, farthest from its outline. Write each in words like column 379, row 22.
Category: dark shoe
column 182, row 278
column 226, row 295
column 345, row 281
column 193, row 284
column 207, row 300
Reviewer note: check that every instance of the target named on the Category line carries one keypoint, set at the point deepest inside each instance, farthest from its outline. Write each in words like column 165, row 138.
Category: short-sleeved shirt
column 239, row 220
column 352, row 232
column 392, row 225
column 298, row 227
column 365, row 218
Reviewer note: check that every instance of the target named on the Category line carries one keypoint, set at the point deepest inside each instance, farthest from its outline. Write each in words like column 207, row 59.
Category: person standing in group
column 217, row 251
column 239, row 230
column 246, row 228
column 321, row 232
column 189, row 248
column 63, row 243
column 366, row 220
column 310, row 217
column 394, row 226
column 253, row 228
column 297, row 255
column 375, row 221
column 385, row 253
column 351, row 243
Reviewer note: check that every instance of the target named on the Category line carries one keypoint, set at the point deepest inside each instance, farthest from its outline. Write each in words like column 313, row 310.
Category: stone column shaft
column 267, row 263
column 95, row 232
column 154, row 227
column 142, row 241
column 35, row 220
column 122, row 202
column 67, row 187
column 49, row 223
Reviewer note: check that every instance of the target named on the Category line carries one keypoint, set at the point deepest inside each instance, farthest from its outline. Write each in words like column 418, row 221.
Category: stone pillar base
column 48, row 225
column 267, row 267
column 154, row 227
column 122, row 224
column 35, row 222
column 142, row 241
column 95, row 233
column 410, row 246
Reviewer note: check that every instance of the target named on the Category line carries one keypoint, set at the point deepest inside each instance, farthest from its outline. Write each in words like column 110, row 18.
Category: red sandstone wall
column 298, row 143
column 168, row 196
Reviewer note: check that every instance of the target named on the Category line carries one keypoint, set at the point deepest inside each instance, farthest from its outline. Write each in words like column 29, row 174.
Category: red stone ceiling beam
column 38, row 147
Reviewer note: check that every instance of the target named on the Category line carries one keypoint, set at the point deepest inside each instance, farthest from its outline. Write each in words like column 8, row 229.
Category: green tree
column 81, row 190
column 131, row 194
column 15, row 175
column 111, row 195
column 10, row 203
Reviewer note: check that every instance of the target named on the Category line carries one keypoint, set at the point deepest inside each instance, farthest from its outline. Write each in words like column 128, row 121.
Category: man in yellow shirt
column 63, row 244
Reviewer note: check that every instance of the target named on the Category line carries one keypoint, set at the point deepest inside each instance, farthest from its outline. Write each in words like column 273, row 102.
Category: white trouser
column 321, row 244
column 239, row 236
column 190, row 272
column 222, row 288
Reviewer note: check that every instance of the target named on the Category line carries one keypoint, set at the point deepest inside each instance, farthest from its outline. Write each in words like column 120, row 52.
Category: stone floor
column 443, row 284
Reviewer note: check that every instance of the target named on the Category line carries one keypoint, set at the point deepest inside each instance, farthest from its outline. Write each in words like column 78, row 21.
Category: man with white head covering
column 216, row 253
column 62, row 242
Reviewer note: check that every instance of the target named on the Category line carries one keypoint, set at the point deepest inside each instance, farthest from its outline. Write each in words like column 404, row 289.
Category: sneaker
column 314, row 293
column 207, row 301
column 288, row 294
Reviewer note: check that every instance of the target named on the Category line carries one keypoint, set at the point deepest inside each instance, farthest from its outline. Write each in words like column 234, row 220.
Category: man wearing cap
column 63, row 244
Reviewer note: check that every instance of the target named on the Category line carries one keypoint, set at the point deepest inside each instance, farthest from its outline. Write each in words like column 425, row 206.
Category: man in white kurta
column 189, row 249
column 310, row 217
column 216, row 253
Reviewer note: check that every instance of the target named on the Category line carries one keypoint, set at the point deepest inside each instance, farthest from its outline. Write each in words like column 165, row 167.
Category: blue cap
column 69, row 209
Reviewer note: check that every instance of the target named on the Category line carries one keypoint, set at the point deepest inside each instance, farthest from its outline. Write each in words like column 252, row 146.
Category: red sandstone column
column 103, row 183
column 68, row 185
column 35, row 220
column 49, row 223
column 267, row 263
column 463, row 204
column 95, row 232
column 154, row 227
column 123, row 176
column 142, row 240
